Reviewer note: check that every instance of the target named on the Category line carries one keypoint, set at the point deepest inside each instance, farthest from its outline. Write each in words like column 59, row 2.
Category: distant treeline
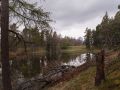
column 47, row 39
column 106, row 35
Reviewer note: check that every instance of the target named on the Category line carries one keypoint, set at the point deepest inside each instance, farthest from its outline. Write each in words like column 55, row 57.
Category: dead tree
column 6, row 79
column 100, row 74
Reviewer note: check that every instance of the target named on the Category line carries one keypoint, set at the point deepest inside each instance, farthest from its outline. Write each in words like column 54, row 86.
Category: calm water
column 37, row 65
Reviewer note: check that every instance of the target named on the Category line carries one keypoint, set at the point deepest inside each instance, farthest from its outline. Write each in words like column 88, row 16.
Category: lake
column 32, row 66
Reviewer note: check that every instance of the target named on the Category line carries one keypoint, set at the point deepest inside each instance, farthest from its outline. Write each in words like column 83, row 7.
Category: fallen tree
column 51, row 77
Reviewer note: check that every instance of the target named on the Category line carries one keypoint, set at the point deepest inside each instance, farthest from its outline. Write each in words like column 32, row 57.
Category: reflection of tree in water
column 35, row 66
column 88, row 57
column 57, row 60
column 39, row 65
column 27, row 67
column 43, row 64
column 66, row 57
column 53, row 60
column 51, row 57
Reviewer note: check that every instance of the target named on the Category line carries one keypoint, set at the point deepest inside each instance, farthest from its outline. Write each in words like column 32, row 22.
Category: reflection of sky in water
column 74, row 63
column 0, row 69
column 78, row 61
column 36, row 67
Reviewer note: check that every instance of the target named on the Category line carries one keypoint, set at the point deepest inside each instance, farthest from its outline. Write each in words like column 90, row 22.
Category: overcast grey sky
column 73, row 16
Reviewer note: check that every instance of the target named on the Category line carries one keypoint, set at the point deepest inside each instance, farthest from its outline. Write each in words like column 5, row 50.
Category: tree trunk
column 100, row 74
column 6, row 79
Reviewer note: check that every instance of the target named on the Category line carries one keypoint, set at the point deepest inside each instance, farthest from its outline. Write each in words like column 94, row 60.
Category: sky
column 72, row 17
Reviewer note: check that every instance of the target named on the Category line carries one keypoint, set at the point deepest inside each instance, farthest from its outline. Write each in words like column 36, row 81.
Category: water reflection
column 79, row 60
column 28, row 68
column 38, row 65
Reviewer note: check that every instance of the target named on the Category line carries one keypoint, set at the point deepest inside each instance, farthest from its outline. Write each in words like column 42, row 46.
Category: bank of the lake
column 70, row 50
column 85, row 79
column 75, row 49
column 35, row 64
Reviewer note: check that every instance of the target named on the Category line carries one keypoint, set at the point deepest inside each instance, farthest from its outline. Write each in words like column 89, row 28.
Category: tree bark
column 6, row 79
column 100, row 74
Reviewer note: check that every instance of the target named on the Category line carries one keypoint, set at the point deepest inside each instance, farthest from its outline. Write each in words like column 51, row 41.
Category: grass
column 41, row 51
column 21, row 52
column 85, row 80
column 113, row 76
column 75, row 49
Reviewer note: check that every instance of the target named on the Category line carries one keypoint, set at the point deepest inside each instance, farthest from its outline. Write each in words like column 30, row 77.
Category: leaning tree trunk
column 5, row 45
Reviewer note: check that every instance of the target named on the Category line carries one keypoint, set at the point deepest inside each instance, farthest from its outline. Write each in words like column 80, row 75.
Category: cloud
column 69, row 13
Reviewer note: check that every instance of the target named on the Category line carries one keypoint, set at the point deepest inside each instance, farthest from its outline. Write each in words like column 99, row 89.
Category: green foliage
column 64, row 45
column 88, row 38
column 107, row 33
column 31, row 35
column 52, row 44
column 30, row 15
column 68, row 41
column 33, row 18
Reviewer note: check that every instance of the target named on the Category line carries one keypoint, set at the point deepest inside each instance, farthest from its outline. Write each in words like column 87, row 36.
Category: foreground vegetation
column 37, row 33
column 85, row 80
